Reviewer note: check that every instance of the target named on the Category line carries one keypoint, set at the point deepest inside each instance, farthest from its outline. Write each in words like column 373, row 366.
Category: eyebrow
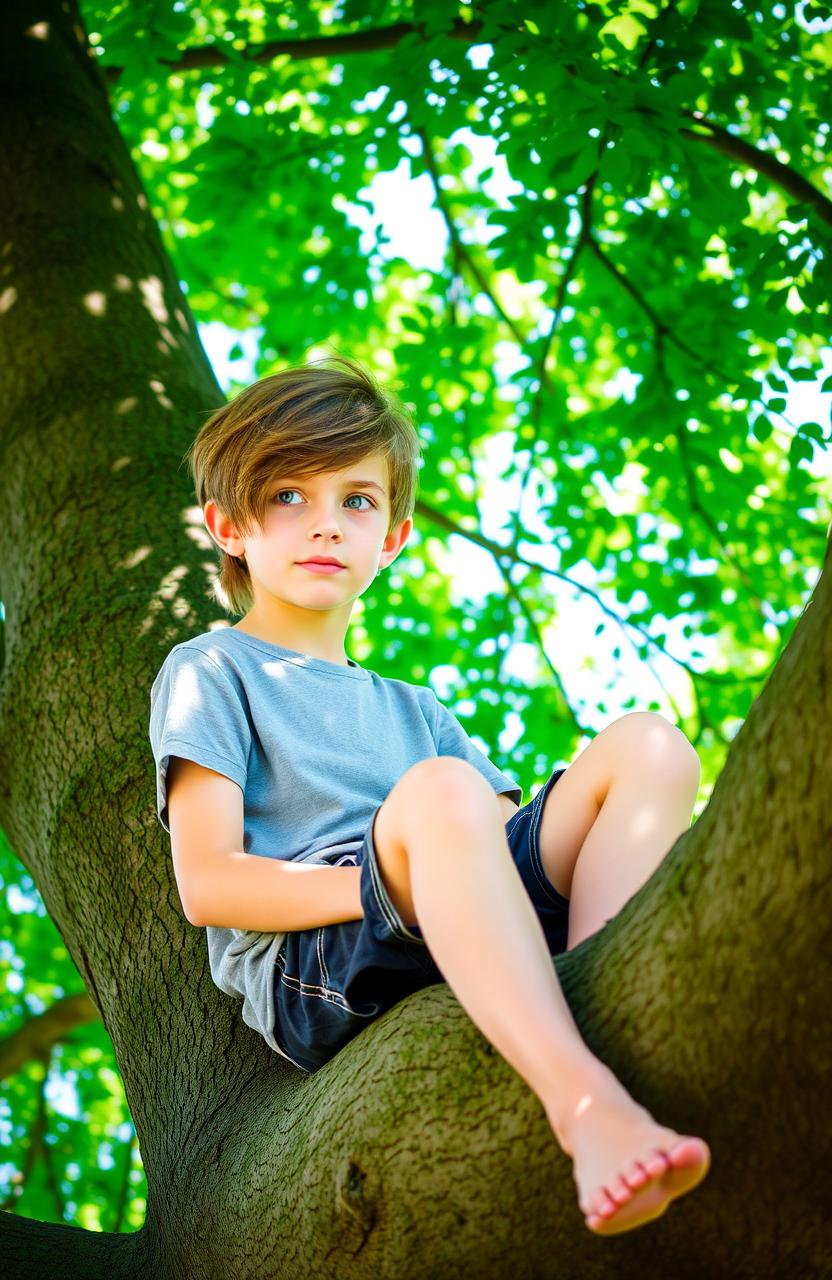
column 349, row 484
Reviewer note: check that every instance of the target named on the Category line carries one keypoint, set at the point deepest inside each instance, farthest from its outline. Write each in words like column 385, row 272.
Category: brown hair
column 306, row 419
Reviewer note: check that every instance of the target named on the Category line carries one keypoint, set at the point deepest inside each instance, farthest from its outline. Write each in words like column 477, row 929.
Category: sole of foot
column 649, row 1190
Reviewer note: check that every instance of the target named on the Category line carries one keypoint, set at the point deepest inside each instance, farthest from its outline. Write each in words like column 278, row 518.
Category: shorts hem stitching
column 328, row 994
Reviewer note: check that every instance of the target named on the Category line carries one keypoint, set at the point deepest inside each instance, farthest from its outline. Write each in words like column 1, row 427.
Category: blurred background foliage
column 632, row 290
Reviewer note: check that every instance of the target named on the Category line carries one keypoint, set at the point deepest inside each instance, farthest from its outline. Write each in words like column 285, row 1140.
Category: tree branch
column 663, row 330
column 461, row 251
column 347, row 43
column 37, row 1035
column 765, row 162
column 35, row 1248
column 509, row 555
column 515, row 592
column 374, row 39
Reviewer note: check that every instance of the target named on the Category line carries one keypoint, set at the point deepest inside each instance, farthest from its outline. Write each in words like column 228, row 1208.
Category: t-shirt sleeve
column 452, row 740
column 197, row 712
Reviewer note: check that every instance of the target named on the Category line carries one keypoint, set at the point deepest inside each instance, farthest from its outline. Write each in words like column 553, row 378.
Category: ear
column 222, row 530
column 394, row 542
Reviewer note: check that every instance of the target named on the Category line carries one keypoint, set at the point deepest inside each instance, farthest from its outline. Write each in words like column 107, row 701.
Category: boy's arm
column 222, row 886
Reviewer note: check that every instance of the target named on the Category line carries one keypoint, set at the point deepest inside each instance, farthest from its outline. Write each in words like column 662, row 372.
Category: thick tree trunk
column 417, row 1151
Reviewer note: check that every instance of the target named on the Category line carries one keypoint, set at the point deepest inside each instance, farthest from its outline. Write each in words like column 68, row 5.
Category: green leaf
column 812, row 429
column 799, row 450
column 761, row 428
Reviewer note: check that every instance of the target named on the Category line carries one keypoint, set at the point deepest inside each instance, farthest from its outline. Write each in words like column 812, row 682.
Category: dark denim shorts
column 332, row 981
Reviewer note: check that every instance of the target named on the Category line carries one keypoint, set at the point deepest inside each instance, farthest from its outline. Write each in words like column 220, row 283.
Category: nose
column 325, row 520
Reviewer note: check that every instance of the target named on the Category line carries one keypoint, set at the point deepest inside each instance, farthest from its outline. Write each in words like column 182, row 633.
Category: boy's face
column 338, row 514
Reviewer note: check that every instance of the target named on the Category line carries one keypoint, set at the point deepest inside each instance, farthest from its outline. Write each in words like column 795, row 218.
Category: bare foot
column 626, row 1167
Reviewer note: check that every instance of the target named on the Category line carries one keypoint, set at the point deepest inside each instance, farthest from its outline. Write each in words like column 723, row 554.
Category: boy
column 327, row 824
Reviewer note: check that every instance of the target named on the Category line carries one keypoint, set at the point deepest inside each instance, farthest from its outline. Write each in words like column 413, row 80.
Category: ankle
column 574, row 1095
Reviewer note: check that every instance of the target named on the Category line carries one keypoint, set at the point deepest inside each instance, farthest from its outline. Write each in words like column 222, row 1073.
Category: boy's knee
column 449, row 778
column 648, row 735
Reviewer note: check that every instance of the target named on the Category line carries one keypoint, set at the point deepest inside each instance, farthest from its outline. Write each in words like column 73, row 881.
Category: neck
column 325, row 641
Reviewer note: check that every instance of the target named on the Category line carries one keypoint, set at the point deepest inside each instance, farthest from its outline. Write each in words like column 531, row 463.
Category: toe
column 601, row 1205
column 607, row 1205
column 658, row 1163
column 690, row 1151
column 621, row 1192
column 637, row 1175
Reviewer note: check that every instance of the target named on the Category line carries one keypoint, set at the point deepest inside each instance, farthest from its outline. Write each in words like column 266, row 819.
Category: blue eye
column 280, row 492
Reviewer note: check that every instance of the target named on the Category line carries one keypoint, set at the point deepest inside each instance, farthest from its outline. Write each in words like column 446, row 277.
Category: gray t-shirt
column 315, row 748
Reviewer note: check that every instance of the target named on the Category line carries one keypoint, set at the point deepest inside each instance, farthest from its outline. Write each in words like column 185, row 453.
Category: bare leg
column 444, row 856
column 606, row 826
column 614, row 815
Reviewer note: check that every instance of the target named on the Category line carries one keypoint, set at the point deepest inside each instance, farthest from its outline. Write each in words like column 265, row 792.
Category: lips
column 323, row 560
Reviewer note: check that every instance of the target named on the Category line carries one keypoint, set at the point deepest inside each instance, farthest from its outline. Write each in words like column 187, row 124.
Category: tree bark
column 417, row 1151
